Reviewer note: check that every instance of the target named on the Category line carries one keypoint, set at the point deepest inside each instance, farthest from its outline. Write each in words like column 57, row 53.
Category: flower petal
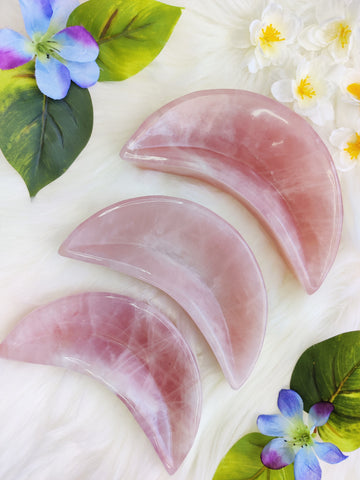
column 328, row 452
column 306, row 465
column 272, row 13
column 37, row 15
column 254, row 30
column 273, row 425
column 277, row 454
column 61, row 13
column 320, row 114
column 339, row 136
column 52, row 77
column 253, row 65
column 319, row 413
column 290, row 404
column 282, row 90
column 84, row 74
column 77, row 44
column 14, row 49
column 308, row 38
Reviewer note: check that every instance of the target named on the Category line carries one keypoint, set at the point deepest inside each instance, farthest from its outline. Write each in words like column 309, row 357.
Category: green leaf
column 41, row 137
column 130, row 33
column 330, row 371
column 243, row 462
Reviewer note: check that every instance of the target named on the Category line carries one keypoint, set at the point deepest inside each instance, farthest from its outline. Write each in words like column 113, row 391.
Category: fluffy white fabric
column 60, row 425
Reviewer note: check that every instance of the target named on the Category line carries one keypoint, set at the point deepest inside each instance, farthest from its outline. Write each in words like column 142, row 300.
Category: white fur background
column 59, row 425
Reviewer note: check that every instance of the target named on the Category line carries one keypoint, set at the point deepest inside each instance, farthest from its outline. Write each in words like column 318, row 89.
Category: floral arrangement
column 305, row 56
column 46, row 114
column 325, row 382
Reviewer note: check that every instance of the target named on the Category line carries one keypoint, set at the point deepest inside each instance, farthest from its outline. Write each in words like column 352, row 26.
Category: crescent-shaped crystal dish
column 130, row 347
column 262, row 153
column 194, row 256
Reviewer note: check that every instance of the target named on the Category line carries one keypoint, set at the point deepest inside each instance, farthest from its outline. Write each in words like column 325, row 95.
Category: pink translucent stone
column 129, row 346
column 193, row 255
column 265, row 155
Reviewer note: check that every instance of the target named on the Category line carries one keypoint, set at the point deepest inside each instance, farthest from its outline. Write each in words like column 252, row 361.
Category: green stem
column 257, row 474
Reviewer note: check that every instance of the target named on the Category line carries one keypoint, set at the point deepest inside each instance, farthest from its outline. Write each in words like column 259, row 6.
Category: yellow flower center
column 353, row 147
column 344, row 35
column 270, row 35
column 305, row 89
column 354, row 90
column 339, row 32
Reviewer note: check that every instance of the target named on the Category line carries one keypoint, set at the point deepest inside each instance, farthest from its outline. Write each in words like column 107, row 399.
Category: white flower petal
column 323, row 113
column 353, row 10
column 253, row 65
column 340, row 53
column 262, row 60
column 308, row 38
column 327, row 9
column 293, row 28
column 272, row 13
column 344, row 162
column 339, row 136
column 302, row 68
column 350, row 85
column 254, row 29
column 282, row 91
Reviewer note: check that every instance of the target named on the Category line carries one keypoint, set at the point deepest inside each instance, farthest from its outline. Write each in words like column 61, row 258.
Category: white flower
column 309, row 91
column 272, row 35
column 350, row 86
column 218, row 45
column 347, row 141
column 337, row 28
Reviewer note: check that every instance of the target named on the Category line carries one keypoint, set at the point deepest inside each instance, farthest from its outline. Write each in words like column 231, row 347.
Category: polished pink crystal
column 265, row 155
column 130, row 347
column 193, row 255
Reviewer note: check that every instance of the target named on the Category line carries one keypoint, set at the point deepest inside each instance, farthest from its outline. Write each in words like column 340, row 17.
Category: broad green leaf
column 130, row 33
column 330, row 371
column 41, row 137
column 243, row 462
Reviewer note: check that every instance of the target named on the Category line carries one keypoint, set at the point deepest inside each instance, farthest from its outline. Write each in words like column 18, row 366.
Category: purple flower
column 62, row 54
column 295, row 442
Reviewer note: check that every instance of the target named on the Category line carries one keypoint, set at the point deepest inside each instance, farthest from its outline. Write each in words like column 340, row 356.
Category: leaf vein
column 349, row 392
column 30, row 124
column 70, row 110
column 127, row 32
column 333, row 375
column 44, row 115
column 108, row 24
column 58, row 131
column 348, row 417
column 344, row 380
column 25, row 75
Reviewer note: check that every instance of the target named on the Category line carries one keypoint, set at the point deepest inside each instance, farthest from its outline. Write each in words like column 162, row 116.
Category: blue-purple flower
column 61, row 54
column 295, row 442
